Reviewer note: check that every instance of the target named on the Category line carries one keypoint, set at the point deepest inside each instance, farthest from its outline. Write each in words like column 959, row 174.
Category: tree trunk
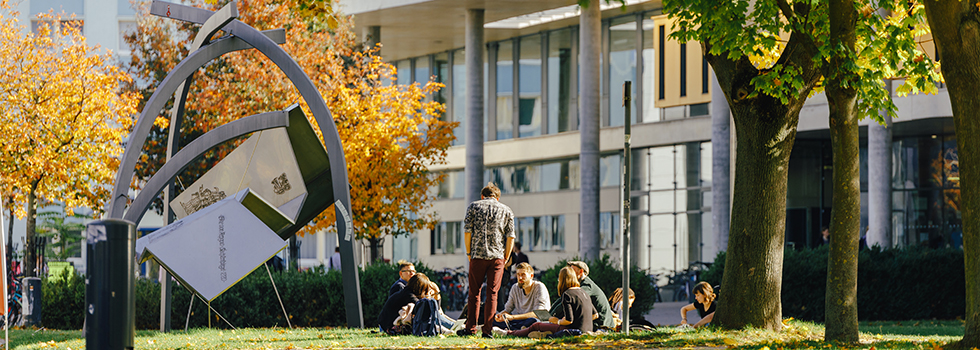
column 956, row 30
column 29, row 256
column 376, row 253
column 845, row 215
column 766, row 131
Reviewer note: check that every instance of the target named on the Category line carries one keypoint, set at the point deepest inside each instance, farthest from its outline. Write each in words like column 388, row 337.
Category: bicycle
column 453, row 284
column 14, row 305
column 686, row 279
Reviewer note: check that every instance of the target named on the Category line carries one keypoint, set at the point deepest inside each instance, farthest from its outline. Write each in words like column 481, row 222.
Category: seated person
column 417, row 287
column 617, row 308
column 434, row 293
column 525, row 296
column 599, row 300
column 405, row 271
column 704, row 302
column 576, row 311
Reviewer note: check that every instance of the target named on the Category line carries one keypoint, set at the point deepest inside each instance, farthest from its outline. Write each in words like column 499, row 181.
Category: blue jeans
column 516, row 324
column 446, row 321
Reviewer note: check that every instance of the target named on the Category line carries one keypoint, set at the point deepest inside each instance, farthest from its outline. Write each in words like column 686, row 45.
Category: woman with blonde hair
column 576, row 312
column 704, row 302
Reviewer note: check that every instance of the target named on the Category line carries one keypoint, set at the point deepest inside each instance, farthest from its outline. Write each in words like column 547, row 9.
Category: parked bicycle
column 453, row 283
column 686, row 280
column 14, row 304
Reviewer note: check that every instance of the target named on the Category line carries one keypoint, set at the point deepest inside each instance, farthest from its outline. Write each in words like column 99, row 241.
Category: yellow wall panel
column 694, row 92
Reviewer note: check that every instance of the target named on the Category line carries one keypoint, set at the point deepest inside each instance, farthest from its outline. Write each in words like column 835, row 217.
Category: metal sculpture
column 323, row 172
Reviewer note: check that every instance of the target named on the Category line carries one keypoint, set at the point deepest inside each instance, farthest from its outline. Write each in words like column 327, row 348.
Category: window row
column 535, row 233
column 531, row 82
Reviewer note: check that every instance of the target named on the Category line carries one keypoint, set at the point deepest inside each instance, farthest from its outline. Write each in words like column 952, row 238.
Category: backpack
column 425, row 323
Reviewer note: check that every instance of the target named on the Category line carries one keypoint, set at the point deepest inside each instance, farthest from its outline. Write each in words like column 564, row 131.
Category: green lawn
column 797, row 334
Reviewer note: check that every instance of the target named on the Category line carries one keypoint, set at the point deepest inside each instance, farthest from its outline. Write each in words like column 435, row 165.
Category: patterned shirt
column 489, row 223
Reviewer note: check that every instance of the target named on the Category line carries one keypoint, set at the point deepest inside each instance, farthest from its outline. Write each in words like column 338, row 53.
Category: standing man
column 489, row 237
column 335, row 259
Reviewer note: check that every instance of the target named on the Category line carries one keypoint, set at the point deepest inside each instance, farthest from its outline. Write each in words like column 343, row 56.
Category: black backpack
column 425, row 323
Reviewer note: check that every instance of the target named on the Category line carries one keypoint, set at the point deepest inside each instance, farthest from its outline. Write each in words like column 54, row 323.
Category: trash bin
column 32, row 301
column 110, row 299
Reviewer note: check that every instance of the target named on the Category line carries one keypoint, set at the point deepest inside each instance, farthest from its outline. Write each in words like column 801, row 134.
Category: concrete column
column 474, row 104
column 720, row 166
column 590, row 44
column 880, row 181
column 371, row 35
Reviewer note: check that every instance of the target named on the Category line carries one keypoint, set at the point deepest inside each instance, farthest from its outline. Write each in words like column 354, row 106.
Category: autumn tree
column 391, row 133
column 63, row 119
column 955, row 27
column 769, row 57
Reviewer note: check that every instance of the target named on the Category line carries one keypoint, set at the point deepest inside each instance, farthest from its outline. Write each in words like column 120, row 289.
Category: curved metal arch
column 177, row 76
column 195, row 149
column 306, row 88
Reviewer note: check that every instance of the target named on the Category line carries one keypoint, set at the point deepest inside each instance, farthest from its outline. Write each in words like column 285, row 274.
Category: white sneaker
column 499, row 331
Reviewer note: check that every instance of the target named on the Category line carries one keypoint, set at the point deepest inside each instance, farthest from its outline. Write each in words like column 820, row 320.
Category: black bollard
column 31, row 291
column 110, row 301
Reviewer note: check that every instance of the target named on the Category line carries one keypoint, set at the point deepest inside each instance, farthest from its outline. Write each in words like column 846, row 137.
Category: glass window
column 661, row 168
column 622, row 65
column 609, row 226
column 650, row 112
column 680, row 166
column 69, row 7
column 557, row 232
column 440, row 74
column 551, row 176
column 422, row 72
column 559, row 81
column 452, row 186
column 706, row 165
column 505, row 90
column 610, row 170
column 530, row 87
column 662, row 242
column 459, row 96
column 403, row 69
column 526, row 232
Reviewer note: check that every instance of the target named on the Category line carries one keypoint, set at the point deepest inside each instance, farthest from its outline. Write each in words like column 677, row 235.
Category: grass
column 796, row 335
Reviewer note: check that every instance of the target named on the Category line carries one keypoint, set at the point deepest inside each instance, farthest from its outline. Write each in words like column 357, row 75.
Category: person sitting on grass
column 617, row 307
column 576, row 311
column 417, row 287
column 405, row 271
column 525, row 296
column 704, row 302
column 434, row 293
column 599, row 300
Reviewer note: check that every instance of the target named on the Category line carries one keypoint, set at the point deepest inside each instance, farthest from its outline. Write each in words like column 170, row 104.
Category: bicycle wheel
column 680, row 294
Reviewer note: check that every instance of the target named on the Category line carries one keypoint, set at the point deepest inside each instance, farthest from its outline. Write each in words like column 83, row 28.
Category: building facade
column 531, row 136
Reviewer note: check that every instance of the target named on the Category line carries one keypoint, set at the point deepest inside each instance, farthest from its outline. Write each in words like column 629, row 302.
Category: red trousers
column 537, row 326
column 483, row 270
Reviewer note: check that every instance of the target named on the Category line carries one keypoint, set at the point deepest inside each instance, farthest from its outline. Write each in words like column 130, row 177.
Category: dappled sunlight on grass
column 795, row 335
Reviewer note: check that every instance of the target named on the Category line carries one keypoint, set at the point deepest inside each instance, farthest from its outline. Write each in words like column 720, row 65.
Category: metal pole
column 625, row 249
column 3, row 251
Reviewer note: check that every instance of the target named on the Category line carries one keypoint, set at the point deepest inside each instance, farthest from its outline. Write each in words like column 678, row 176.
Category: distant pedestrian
column 488, row 237
column 335, row 259
column 825, row 235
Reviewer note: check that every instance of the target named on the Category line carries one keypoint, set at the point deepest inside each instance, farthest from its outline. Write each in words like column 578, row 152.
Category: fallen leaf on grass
column 730, row 341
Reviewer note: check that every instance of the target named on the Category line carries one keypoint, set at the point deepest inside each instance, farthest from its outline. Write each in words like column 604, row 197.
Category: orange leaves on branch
column 64, row 115
column 390, row 133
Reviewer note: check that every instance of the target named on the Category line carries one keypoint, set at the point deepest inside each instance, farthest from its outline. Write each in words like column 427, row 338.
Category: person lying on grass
column 704, row 302
column 576, row 310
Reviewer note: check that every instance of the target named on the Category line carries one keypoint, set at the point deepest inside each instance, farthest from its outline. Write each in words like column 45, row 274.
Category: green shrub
column 608, row 278
column 893, row 284
column 313, row 298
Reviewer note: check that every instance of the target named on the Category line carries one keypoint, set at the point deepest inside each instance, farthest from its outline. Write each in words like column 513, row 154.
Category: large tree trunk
column 765, row 130
column 376, row 253
column 845, row 217
column 29, row 256
column 956, row 30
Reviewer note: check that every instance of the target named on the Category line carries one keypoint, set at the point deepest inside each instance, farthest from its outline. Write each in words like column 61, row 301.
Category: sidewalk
column 663, row 314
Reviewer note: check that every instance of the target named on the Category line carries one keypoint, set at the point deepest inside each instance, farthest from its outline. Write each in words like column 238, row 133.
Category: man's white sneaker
column 499, row 331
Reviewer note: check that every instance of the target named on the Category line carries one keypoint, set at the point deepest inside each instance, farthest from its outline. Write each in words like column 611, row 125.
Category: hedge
column 314, row 298
column 912, row 283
